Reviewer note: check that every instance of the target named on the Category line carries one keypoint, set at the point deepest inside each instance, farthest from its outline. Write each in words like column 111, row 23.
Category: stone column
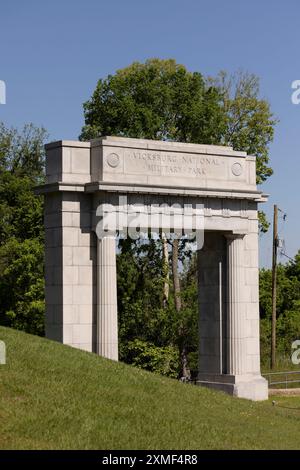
column 107, row 312
column 236, row 306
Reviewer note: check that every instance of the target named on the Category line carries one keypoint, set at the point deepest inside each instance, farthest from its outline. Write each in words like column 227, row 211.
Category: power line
column 282, row 253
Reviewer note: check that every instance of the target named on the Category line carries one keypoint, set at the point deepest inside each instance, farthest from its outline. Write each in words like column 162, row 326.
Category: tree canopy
column 162, row 100
column 22, row 162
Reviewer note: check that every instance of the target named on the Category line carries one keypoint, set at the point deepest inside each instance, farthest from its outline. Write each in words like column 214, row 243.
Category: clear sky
column 53, row 53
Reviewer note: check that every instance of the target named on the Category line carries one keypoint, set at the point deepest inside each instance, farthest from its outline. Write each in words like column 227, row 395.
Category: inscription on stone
column 173, row 164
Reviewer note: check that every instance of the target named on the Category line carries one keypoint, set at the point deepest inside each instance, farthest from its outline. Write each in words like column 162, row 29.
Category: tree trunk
column 166, row 272
column 184, row 373
column 176, row 281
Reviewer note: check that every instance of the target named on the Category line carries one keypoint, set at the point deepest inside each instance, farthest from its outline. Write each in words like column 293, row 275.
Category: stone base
column 251, row 387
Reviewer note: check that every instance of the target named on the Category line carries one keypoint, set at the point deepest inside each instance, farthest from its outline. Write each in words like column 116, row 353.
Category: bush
column 143, row 354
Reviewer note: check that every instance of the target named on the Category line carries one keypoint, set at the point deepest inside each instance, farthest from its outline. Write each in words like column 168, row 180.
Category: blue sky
column 53, row 53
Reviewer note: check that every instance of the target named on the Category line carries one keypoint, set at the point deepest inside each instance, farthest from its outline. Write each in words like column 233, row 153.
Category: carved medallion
column 113, row 160
column 237, row 169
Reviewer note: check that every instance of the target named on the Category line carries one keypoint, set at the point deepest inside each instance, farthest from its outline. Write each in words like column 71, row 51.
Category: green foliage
column 265, row 342
column 155, row 100
column 187, row 319
column 140, row 311
column 288, row 328
column 21, row 211
column 249, row 121
column 22, row 284
column 162, row 360
column 263, row 223
column 148, row 332
column 21, row 229
column 288, row 308
column 22, row 153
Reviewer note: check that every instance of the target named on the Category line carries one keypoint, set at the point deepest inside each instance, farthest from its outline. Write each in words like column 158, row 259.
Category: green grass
column 56, row 397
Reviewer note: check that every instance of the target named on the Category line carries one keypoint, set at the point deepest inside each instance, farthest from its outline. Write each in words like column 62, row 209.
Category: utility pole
column 274, row 285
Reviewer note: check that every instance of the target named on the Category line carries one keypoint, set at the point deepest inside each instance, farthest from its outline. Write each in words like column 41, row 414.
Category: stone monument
column 81, row 293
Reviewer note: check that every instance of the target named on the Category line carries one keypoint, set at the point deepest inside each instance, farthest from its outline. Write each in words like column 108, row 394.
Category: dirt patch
column 284, row 392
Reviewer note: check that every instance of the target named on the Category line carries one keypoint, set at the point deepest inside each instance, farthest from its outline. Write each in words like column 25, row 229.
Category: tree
column 162, row 100
column 22, row 153
column 22, row 162
column 156, row 100
column 249, row 122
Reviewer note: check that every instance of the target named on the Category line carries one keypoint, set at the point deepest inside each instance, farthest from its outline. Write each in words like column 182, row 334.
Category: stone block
column 85, row 219
column 251, row 258
column 81, row 256
column 80, row 162
column 68, row 334
column 85, row 275
column 66, row 160
column 54, row 332
column 252, row 345
column 53, row 295
column 209, row 346
column 82, row 295
column 71, row 202
column 67, row 218
column 84, row 239
column 253, row 226
column 86, row 347
column 57, row 314
column 70, row 236
column 53, row 165
column 76, row 178
column 209, row 329
column 86, row 314
column 70, row 275
column 67, row 256
column 253, row 328
column 245, row 294
column 49, row 317
column 251, row 276
column 82, row 333
column 70, row 314
column 75, row 219
column 251, row 241
column 254, row 293
column 252, row 310
column 53, row 220
column 209, row 311
column 210, row 364
column 67, row 295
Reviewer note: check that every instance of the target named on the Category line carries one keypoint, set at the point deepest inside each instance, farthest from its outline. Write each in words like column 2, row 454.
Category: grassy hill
column 56, row 397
